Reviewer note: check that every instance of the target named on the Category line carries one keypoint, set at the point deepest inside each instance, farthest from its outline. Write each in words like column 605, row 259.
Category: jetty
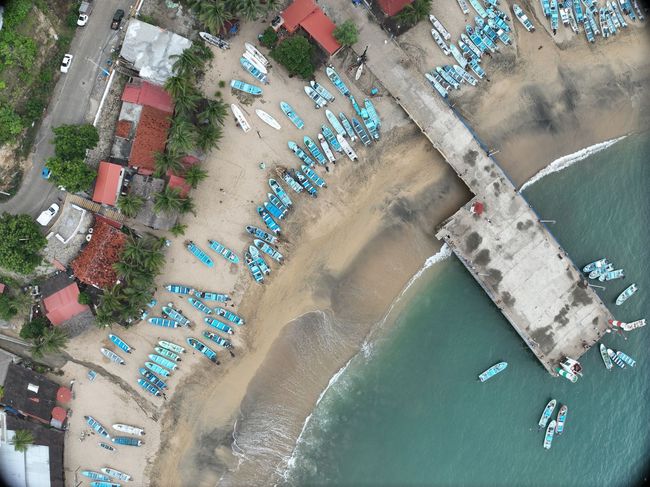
column 497, row 235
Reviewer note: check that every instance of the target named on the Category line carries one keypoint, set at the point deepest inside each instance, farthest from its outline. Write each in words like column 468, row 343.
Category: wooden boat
column 99, row 483
column 358, row 128
column 548, row 437
column 213, row 322
column 315, row 178
column 112, row 356
column 209, row 296
column 268, row 220
column 629, row 291
column 162, row 361
column 477, row 51
column 239, row 117
column 165, row 323
column 293, row 184
column 492, row 371
column 596, row 273
column 611, row 275
column 617, row 360
column 336, row 80
column 280, row 193
column 157, row 369
column 175, row 315
column 446, row 76
column 567, row 374
column 229, row 315
column 458, row 56
column 149, row 387
column 253, row 71
column 225, row 252
column 222, row 342
column 274, row 210
column 254, row 269
column 331, row 138
column 463, row 6
column 301, row 154
column 346, row 148
column 626, row 358
column 314, row 150
column 357, row 108
column 167, row 354
column 277, row 203
column 245, row 87
column 257, row 54
column 597, row 264
column 178, row 289
column 434, row 80
column 334, row 122
column 116, row 474
column 546, row 415
column 106, row 446
column 129, row 430
column 561, row 419
column 151, row 377
column 439, row 27
column 127, row 441
column 214, row 40
column 251, row 59
column 322, row 91
column 203, row 348
column 256, row 232
column 200, row 306
column 199, row 254
column 288, row 111
column 633, row 325
column 326, row 149
column 606, row 359
column 268, row 119
column 440, row 41
column 347, row 126
column 96, row 425
column 304, row 181
column 546, row 7
column 120, row 343
column 317, row 99
column 270, row 251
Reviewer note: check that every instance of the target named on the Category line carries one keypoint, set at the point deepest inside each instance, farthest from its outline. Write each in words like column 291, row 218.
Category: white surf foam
column 569, row 160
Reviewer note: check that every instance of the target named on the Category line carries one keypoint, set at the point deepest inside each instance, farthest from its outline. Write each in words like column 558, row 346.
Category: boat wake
column 569, row 160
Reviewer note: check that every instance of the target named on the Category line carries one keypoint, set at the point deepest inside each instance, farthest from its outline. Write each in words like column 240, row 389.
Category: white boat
column 267, row 119
column 214, row 40
column 463, row 6
column 326, row 149
column 255, row 62
column 346, row 147
column 523, row 18
column 131, row 430
column 439, row 27
column 441, row 43
column 359, row 71
column 633, row 325
column 239, row 116
column 256, row 54
column 111, row 472
column 548, row 437
column 626, row 294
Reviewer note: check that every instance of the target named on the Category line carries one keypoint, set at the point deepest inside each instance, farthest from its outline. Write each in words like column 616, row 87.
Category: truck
column 85, row 9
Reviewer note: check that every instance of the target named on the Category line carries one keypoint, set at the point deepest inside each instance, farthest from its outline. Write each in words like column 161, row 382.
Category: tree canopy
column 73, row 174
column 295, row 54
column 72, row 141
column 33, row 329
column 346, row 33
column 20, row 243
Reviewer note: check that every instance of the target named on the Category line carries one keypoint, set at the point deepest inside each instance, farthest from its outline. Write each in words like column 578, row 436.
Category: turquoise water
column 410, row 411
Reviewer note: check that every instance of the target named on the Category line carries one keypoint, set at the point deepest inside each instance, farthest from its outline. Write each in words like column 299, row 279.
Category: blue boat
column 222, row 342
column 96, row 425
column 434, row 80
column 277, row 203
column 162, row 361
column 288, row 111
column 311, row 174
column 478, row 7
column 546, row 7
column 317, row 99
column 204, row 349
column 245, row 87
column 478, row 70
column 253, row 71
column 213, row 322
column 334, row 122
column 208, row 296
column 229, row 315
column 157, row 369
column 225, row 252
column 293, row 184
column 358, row 128
column 331, row 138
column 561, row 419
column 304, row 181
column 200, row 306
column 554, row 16
column 178, row 289
column 492, row 371
column 471, row 55
column 300, row 153
column 270, row 251
column 199, row 254
column 322, row 91
column 255, row 271
column 175, row 315
column 273, row 210
column 357, row 108
column 95, row 475
column 336, row 80
column 268, row 220
column 149, row 387
column 277, row 189
column 347, row 126
column 626, row 358
column 546, row 415
column 256, row 232
column 370, row 125
column 315, row 151
column 165, row 323
column 579, row 14
column 153, row 378
column 476, row 39
column 167, row 354
column 127, row 440
column 259, row 260
column 120, row 343
column 99, row 483
column 370, row 108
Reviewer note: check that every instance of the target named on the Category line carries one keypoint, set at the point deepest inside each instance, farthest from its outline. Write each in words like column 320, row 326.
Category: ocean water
column 408, row 410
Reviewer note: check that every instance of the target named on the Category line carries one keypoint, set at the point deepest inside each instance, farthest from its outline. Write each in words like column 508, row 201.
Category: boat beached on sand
column 128, row 429
column 288, row 111
column 256, row 232
column 120, row 343
column 174, row 314
column 316, row 98
column 204, row 349
column 200, row 306
column 214, row 40
column 270, row 251
column 215, row 323
column 199, row 254
column 164, row 322
column 225, row 252
column 250, row 48
column 336, row 80
column 157, row 369
column 239, row 117
column 492, row 371
column 96, row 425
column 116, row 474
column 112, row 356
column 229, row 315
column 253, row 71
column 126, row 440
column 322, row 91
column 245, row 87
column 326, row 149
column 280, row 193
column 267, row 119
column 151, row 377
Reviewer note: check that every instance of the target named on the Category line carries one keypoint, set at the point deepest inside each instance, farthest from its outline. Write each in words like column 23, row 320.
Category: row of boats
column 603, row 270
column 555, row 426
column 218, row 248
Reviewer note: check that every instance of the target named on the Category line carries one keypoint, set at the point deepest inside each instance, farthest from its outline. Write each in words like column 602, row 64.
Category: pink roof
column 63, row 305
column 108, row 183
column 320, row 28
column 391, row 7
column 180, row 183
column 149, row 95
column 296, row 13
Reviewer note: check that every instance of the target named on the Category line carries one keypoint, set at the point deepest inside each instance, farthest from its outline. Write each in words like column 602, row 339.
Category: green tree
column 249, row 9
column 295, row 55
column 269, row 38
column 203, row 52
column 208, row 136
column 346, row 33
column 73, row 174
column 52, row 341
column 414, row 12
column 167, row 161
column 21, row 242
column 182, row 136
column 22, row 440
column 215, row 111
column 186, row 101
column 130, row 205
column 176, row 86
column 213, row 14
column 33, row 329
column 178, row 229
column 168, row 200
column 72, row 141
column 10, row 124
column 195, row 174
column 7, row 307
column 84, row 298
column 186, row 63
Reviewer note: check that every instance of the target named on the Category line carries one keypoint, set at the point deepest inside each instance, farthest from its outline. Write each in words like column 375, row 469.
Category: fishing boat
column 280, row 193
column 629, row 291
column 477, row 51
column 468, row 78
column 606, row 359
column 257, row 54
column 99, row 483
column 440, row 41
column 178, row 289
column 611, row 275
column 259, row 260
column 326, row 149
column 95, row 475
column 597, row 264
column 256, row 232
column 469, row 54
column 372, row 112
column 164, row 322
column 596, row 273
column 199, row 254
column 336, row 80
column 245, row 87
column 277, row 203
column 268, row 220
column 334, row 122
column 200, row 306
column 639, row 10
column 209, row 296
column 546, row 8
column 478, row 7
column 215, row 323
column 203, row 348
column 452, row 72
column 251, row 59
column 288, row 111
column 239, row 117
column 267, row 119
column 305, row 183
column 349, row 151
column 293, row 184
column 546, row 415
column 463, row 6
column 157, row 369
column 439, row 27
column 451, row 81
column 633, row 325
column 112, row 356
column 316, row 98
column 357, row 75
column 500, row 32
column 229, row 315
column 617, row 360
column 225, row 252
column 358, row 128
column 478, row 71
column 566, row 374
column 561, row 419
column 222, row 342
column 274, row 210
column 301, row 154
column 314, row 150
column 571, row 365
column 106, row 446
column 331, row 138
column 128, row 429
column 613, row 6
column 564, row 15
column 270, row 251
column 548, row 437
column 347, row 126
column 127, row 441
column 120, row 343
column 577, row 9
column 458, row 56
column 315, row 178
column 322, row 91
column 116, row 474
column 357, row 108
column 253, row 268
column 162, row 361
column 151, row 377
column 436, row 85
column 96, row 425
column 175, row 315
column 476, row 38
column 492, row 371
column 253, row 71
column 572, row 20
column 604, row 25
column 589, row 33
column 167, row 354
column 214, row 40
column 626, row 358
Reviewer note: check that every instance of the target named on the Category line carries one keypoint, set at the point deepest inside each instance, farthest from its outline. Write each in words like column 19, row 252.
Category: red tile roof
column 108, row 183
column 123, row 128
column 180, row 183
column 94, row 265
column 320, row 28
column 63, row 305
column 295, row 13
column 150, row 137
column 148, row 95
column 391, row 7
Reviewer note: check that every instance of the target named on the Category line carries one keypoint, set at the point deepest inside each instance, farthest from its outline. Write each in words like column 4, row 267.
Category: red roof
column 63, row 395
column 391, row 7
column 94, row 265
column 63, row 305
column 150, row 137
column 477, row 208
column 59, row 414
column 296, row 13
column 320, row 28
column 148, row 95
column 108, row 183
column 180, row 183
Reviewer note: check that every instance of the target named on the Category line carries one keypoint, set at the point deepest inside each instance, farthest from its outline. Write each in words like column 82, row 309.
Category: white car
column 82, row 20
column 46, row 217
column 65, row 64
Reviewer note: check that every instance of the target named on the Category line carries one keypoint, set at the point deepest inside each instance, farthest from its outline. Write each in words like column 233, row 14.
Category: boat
column 336, row 80
column 315, row 178
column 301, row 154
column 561, row 419
column 125, row 440
column 99, row 483
column 468, row 78
column 326, row 149
column 288, row 111
column 478, row 7
column 436, row 84
column 347, row 126
column 358, row 128
column 256, row 232
column 305, row 183
column 199, row 254
column 245, row 87
column 357, row 108
column 95, row 475
column 478, row 71
column 589, row 33
column 257, row 54
column 566, row 374
column 629, row 291
column 112, row 356
column 500, row 32
column 314, row 150
column 548, row 437
column 162, row 361
column 178, row 289
column 116, row 474
column 280, row 193
column 372, row 112
column 255, row 271
column 293, row 184
column 564, row 15
column 626, row 358
column 167, row 354
column 251, row 59
column 334, row 122
column 440, row 41
column 577, row 9
column 322, row 91
column 597, row 264
column 222, row 342
column 463, row 6
column 316, row 98
column 572, row 20
column 611, row 275
column 225, row 252
column 270, row 251
column 633, row 325
column 477, row 51
column 604, row 25
column 120, row 343
column 267, row 119
column 452, row 72
column 616, row 359
column 499, row 18
column 439, row 27
column 96, row 425
column 151, row 377
column 451, row 81
column 476, row 38
column 546, row 415
column 492, row 371
column 164, row 322
column 253, row 71
column 229, row 315
column 458, row 56
column 239, row 117
column 606, row 359
column 330, row 137
column 268, row 220
column 203, row 348
column 346, row 148
column 274, row 202
column 357, row 75
column 208, row 296
column 215, row 323
column 259, row 260
column 106, row 446
column 128, row 429
column 200, row 306
column 546, row 8
column 596, row 273
column 214, row 40
column 571, row 365
column 469, row 54
column 157, row 369
column 175, row 315
column 613, row 6
column 639, row 10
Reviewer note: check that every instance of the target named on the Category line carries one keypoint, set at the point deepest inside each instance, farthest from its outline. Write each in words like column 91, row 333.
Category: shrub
column 346, row 33
column 72, row 141
column 7, row 307
column 33, row 329
column 20, row 243
column 74, row 175
column 222, row 83
column 84, row 298
column 269, row 38
column 295, row 54
column 10, row 124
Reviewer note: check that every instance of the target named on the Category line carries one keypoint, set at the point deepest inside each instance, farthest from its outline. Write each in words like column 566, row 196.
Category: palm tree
column 182, row 136
column 194, row 175
column 185, row 103
column 125, row 270
column 177, row 230
column 22, row 439
column 208, row 137
column 154, row 261
column 167, row 161
column 249, row 9
column 202, row 51
column 187, row 206
column 271, row 5
column 214, row 111
column 186, row 63
column 130, row 205
column 52, row 341
column 176, row 85
column 168, row 200
column 134, row 252
column 213, row 14
column 416, row 11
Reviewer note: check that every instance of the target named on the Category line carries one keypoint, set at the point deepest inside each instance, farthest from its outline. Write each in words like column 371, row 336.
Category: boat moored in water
column 629, row 291
column 606, row 359
column 616, row 359
column 633, row 325
column 546, row 415
column 561, row 419
column 492, row 371
column 548, row 437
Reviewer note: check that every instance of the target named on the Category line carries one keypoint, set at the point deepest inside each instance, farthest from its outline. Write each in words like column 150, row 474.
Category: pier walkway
column 509, row 252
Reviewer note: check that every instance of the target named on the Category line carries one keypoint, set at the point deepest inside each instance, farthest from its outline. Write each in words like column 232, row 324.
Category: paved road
column 70, row 104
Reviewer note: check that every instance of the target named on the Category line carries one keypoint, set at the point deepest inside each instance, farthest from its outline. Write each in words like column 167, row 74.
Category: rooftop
column 29, row 392
column 179, row 183
column 68, row 234
column 149, row 95
column 94, row 266
column 147, row 187
column 392, row 7
column 108, row 183
column 64, row 304
column 150, row 137
column 306, row 14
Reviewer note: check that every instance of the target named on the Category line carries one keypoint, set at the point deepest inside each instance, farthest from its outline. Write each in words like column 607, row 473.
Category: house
column 147, row 187
column 306, row 15
column 108, row 183
column 61, row 301
column 393, row 7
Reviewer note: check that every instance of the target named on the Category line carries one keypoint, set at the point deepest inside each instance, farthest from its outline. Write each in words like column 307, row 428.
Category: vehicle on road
column 46, row 216
column 82, row 20
column 117, row 19
column 65, row 64
column 46, row 172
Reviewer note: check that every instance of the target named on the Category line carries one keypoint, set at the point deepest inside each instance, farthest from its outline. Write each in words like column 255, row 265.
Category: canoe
column 561, row 419
column 606, row 360
column 315, row 178
column 149, row 387
column 316, row 98
column 322, row 91
column 349, row 151
column 358, row 128
column 99, row 483
column 209, row 296
column 203, row 348
column 106, row 446
column 270, row 251
column 492, row 371
column 199, row 305
column 162, row 361
column 128, row 429
column 252, row 267
column 347, row 126
column 301, row 154
column 214, row 40
column 617, row 360
column 626, row 358
column 548, row 437
column 633, row 325
column 151, row 377
column 314, row 150
column 178, row 289
column 96, row 425
column 251, row 59
column 629, row 291
column 214, row 323
column 293, row 184
column 275, row 201
column 112, row 356
column 225, row 252
column 336, row 80
column 468, row 78
column 305, row 183
column 268, row 220
column 288, row 111
column 257, row 54
column 253, row 71
column 594, row 265
column 326, row 149
column 331, row 138
column 95, row 475
column 120, row 343
column 439, row 27
column 229, row 315
column 274, row 210
column 199, row 254
column 463, row 6
column 256, row 232
column 175, row 315
column 245, row 87
column 612, row 275
column 436, row 81
column 167, row 354
column 280, row 193
column 546, row 415
column 125, row 440
column 222, row 342
column 334, row 122
column 267, row 119
column 116, row 474
column 165, row 323
column 239, row 117
column 157, row 369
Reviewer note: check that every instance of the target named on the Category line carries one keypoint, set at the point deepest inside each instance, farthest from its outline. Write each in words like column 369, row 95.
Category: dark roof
column 147, row 187
column 391, row 7
column 55, row 283
column 18, row 396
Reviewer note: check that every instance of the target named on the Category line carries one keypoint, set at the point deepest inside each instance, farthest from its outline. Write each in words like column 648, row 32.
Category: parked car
column 82, row 20
column 117, row 19
column 46, row 216
column 46, row 173
column 65, row 64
